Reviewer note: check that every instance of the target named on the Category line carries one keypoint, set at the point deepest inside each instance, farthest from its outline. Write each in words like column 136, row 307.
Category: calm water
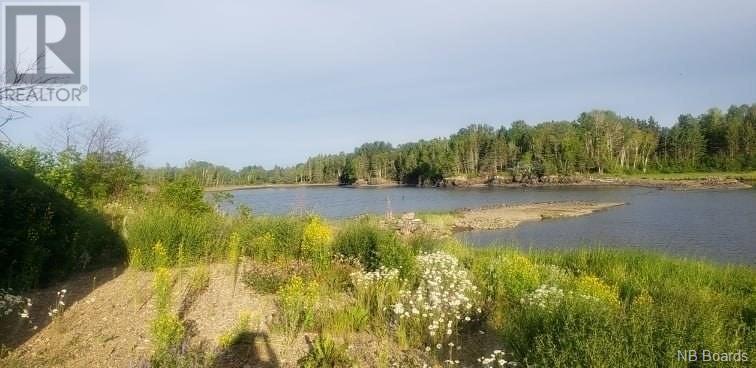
column 719, row 225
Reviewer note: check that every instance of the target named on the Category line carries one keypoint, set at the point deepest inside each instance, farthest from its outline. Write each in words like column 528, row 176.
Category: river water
column 715, row 224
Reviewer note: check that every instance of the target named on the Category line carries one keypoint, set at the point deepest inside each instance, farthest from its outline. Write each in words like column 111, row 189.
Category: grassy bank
column 355, row 293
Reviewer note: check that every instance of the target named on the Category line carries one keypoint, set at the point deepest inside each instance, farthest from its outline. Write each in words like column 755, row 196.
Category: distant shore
column 228, row 188
column 674, row 181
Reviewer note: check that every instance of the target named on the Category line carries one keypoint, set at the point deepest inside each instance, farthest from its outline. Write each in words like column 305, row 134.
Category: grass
column 438, row 219
column 324, row 352
column 297, row 301
column 616, row 305
column 234, row 335
column 424, row 295
column 583, row 307
column 166, row 329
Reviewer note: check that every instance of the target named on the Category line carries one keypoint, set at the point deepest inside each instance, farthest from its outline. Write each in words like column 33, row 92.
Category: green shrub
column 316, row 241
column 184, row 194
column 45, row 236
column 374, row 247
column 167, row 335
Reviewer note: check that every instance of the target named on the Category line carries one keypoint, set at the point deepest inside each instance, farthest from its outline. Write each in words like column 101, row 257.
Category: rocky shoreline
column 713, row 182
column 494, row 217
column 568, row 181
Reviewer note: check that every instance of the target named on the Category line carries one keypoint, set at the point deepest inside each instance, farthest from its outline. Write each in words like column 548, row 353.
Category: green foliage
column 316, row 241
column 506, row 276
column 296, row 303
column 347, row 319
column 166, row 328
column 44, row 235
column 162, row 287
column 85, row 179
column 374, row 246
column 234, row 335
column 186, row 236
column 271, row 237
column 376, row 291
column 324, row 353
column 167, row 334
column 598, row 307
column 184, row 194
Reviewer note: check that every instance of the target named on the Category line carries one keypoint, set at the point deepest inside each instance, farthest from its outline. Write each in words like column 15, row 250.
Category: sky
column 250, row 82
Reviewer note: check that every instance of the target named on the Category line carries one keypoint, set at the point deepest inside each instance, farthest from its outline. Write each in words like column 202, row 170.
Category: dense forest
column 600, row 142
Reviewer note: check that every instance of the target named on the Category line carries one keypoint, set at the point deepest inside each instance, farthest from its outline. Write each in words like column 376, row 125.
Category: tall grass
column 166, row 328
column 596, row 307
column 297, row 301
column 374, row 246
column 190, row 237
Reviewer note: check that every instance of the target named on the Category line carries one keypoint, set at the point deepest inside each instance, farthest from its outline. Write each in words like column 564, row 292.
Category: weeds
column 296, row 302
column 233, row 336
column 347, row 319
column 324, row 352
column 166, row 328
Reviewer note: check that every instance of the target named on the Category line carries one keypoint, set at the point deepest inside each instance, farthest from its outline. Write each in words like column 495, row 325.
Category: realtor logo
column 45, row 53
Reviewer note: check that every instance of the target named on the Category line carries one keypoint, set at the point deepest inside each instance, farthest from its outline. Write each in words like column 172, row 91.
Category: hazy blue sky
column 250, row 82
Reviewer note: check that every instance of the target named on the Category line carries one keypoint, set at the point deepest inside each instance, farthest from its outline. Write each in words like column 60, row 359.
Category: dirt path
column 106, row 322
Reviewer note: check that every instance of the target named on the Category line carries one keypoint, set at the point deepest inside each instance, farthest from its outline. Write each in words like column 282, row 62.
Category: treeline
column 596, row 142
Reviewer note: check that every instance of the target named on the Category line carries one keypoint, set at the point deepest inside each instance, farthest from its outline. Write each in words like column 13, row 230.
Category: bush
column 167, row 335
column 45, row 236
column 374, row 247
column 184, row 194
column 376, row 291
column 316, row 241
